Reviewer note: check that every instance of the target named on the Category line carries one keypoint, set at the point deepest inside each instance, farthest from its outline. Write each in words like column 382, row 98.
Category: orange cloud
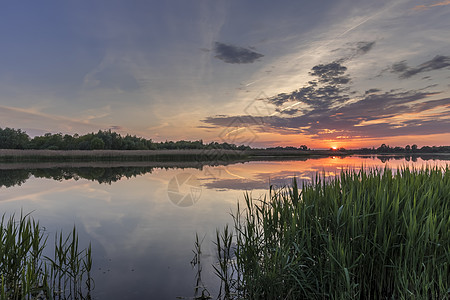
column 422, row 7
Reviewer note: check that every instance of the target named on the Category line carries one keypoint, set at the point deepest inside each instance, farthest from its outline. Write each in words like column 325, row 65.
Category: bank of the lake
column 218, row 155
column 204, row 155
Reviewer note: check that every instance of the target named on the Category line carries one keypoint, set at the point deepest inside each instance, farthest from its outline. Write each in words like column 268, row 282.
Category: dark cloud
column 371, row 91
column 235, row 55
column 364, row 47
column 282, row 98
column 291, row 111
column 399, row 67
column 413, row 127
column 350, row 120
column 376, row 106
column 331, row 112
column 332, row 73
column 443, row 103
column 355, row 50
column 436, row 63
column 329, row 87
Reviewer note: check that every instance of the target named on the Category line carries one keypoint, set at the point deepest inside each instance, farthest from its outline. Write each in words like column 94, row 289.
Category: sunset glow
column 329, row 75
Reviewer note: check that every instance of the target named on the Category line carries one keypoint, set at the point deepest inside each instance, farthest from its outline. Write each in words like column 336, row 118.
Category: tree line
column 11, row 138
column 386, row 149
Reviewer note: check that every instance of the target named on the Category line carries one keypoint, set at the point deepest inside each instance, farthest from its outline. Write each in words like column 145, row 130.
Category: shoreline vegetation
column 17, row 145
column 364, row 235
column 169, row 158
column 27, row 273
column 201, row 155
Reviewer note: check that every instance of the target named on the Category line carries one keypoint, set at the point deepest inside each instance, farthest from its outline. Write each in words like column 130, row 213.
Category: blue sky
column 320, row 73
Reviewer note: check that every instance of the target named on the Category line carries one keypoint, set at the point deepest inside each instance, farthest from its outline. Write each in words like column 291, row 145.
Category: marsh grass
column 180, row 155
column 363, row 235
column 27, row 274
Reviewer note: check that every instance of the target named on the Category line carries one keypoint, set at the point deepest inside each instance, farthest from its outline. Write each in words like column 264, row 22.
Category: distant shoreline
column 132, row 153
column 208, row 156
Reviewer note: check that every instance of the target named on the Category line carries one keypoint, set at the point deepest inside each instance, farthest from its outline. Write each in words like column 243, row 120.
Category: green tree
column 13, row 139
column 97, row 144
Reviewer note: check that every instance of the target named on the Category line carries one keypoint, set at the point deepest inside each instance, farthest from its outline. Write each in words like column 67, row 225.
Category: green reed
column 362, row 235
column 27, row 274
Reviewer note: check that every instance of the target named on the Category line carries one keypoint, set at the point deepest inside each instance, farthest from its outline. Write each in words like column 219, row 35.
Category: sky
column 339, row 73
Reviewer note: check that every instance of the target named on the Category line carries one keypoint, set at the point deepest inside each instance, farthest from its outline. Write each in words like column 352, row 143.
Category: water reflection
column 259, row 175
column 16, row 174
column 142, row 241
column 12, row 174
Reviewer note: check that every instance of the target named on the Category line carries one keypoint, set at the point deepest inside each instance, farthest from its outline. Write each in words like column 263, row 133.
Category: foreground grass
column 364, row 235
column 25, row 273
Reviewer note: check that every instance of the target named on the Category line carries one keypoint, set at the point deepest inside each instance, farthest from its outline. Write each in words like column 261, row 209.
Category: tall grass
column 25, row 273
column 363, row 235
column 180, row 155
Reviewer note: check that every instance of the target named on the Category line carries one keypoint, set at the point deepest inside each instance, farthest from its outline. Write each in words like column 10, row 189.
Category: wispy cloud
column 113, row 72
column 422, row 7
column 36, row 121
column 97, row 113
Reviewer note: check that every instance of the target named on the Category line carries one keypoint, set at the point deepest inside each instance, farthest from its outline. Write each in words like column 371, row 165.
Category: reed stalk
column 371, row 234
column 27, row 274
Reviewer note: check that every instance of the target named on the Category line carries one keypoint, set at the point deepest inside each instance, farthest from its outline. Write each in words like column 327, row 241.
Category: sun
column 334, row 147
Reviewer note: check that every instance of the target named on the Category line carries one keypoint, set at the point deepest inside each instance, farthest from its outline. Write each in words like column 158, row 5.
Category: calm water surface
column 142, row 228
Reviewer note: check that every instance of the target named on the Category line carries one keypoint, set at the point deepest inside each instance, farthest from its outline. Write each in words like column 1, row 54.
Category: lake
column 142, row 220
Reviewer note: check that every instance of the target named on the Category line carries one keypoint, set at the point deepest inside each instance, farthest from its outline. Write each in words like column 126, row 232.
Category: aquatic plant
column 25, row 273
column 371, row 234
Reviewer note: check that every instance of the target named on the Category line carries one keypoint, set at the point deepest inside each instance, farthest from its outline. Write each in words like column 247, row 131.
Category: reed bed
column 12, row 155
column 363, row 235
column 25, row 273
